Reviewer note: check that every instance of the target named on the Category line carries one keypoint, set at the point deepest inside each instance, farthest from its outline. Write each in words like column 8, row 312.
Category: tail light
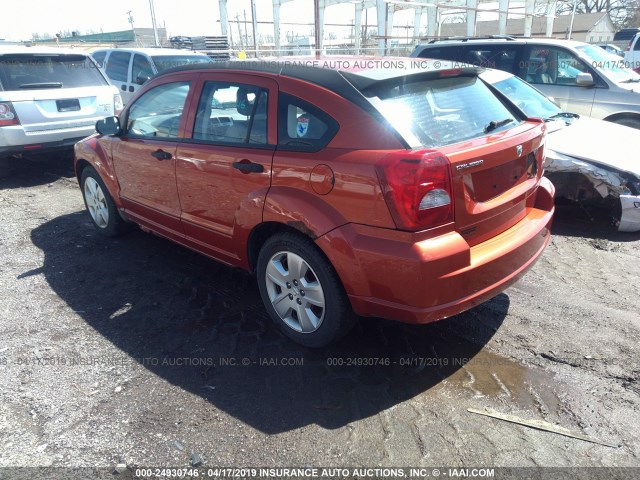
column 117, row 104
column 417, row 188
column 629, row 45
column 8, row 115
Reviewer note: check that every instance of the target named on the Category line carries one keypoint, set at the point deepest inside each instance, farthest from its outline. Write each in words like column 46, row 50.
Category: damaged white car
column 591, row 162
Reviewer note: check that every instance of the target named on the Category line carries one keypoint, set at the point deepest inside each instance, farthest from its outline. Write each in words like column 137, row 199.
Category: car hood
column 597, row 141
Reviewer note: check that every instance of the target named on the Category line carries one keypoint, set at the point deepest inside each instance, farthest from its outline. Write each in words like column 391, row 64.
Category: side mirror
column 584, row 80
column 108, row 126
column 142, row 78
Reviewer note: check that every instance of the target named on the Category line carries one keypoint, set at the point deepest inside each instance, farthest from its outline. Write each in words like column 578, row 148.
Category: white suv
column 129, row 68
column 49, row 99
column 632, row 54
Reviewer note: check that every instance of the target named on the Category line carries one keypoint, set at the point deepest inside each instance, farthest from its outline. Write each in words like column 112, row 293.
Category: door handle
column 161, row 155
column 246, row 166
column 123, row 88
column 131, row 89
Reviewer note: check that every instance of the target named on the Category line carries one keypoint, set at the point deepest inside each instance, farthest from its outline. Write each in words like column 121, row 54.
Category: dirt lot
column 136, row 350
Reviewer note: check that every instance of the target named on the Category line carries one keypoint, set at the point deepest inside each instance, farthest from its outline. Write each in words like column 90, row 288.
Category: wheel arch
column 616, row 117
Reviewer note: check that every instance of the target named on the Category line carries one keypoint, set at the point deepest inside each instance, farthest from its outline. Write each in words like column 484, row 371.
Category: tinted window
column 232, row 113
column 23, row 72
column 555, row 66
column 99, row 57
column 440, row 111
column 166, row 62
column 118, row 66
column 452, row 52
column 501, row 57
column 302, row 126
column 141, row 69
column 158, row 112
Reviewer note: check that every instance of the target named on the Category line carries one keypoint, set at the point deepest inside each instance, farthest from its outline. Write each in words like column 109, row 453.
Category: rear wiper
column 493, row 124
column 41, row 85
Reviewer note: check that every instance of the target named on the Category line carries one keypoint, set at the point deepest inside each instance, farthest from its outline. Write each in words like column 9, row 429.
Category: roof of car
column 153, row 51
column 37, row 50
column 503, row 39
column 315, row 69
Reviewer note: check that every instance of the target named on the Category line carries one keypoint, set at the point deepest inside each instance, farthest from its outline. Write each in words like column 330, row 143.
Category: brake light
column 417, row 188
column 629, row 45
column 8, row 115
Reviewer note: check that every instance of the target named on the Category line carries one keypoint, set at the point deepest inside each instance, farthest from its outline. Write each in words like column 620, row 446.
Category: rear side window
column 99, row 57
column 118, row 66
column 301, row 126
column 165, row 62
column 502, row 57
column 452, row 52
column 30, row 72
column 440, row 111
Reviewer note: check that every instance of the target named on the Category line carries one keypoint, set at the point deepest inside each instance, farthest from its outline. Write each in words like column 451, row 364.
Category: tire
column 99, row 204
column 628, row 122
column 301, row 291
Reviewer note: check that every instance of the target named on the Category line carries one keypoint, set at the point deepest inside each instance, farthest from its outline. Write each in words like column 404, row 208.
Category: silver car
column 590, row 162
column 49, row 99
column 581, row 78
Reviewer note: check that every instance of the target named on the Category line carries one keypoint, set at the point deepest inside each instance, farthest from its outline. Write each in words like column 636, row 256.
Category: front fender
column 96, row 151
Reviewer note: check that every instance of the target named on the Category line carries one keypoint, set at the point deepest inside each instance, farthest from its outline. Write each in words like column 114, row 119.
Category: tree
column 623, row 13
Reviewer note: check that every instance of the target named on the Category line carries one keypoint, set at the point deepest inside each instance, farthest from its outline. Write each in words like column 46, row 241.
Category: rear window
column 165, row 62
column 441, row 111
column 28, row 72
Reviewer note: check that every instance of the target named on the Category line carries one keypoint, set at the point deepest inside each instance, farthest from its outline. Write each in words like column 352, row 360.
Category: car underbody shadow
column 201, row 326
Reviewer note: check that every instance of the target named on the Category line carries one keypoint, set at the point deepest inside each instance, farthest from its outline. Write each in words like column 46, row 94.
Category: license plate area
column 68, row 105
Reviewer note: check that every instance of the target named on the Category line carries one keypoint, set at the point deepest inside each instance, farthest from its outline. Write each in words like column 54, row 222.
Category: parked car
column 632, row 54
column 589, row 161
column 378, row 193
column 581, row 78
column 609, row 48
column 49, row 99
column 129, row 68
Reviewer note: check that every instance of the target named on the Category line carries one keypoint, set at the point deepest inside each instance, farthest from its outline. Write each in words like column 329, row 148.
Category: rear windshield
column 165, row 62
column 28, row 72
column 441, row 111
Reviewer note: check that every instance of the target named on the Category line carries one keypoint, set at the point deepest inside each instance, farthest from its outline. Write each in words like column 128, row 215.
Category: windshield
column 441, row 111
column 165, row 62
column 611, row 65
column 38, row 71
column 526, row 98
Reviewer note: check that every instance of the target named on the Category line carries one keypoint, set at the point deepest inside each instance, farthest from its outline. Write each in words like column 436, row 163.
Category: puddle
column 489, row 375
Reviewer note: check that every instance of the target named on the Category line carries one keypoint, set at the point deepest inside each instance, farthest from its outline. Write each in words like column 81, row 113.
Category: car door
column 553, row 71
column 141, row 71
column 224, row 169
column 118, row 68
column 144, row 155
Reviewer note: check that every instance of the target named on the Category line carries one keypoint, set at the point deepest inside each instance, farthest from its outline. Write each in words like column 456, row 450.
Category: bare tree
column 622, row 12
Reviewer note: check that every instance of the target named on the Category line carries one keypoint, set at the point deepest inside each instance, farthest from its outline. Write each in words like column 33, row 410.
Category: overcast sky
column 22, row 18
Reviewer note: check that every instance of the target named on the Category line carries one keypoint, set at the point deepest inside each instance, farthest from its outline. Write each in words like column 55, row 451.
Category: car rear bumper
column 14, row 139
column 389, row 275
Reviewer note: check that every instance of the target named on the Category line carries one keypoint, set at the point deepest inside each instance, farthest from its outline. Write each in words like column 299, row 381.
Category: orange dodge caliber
column 406, row 194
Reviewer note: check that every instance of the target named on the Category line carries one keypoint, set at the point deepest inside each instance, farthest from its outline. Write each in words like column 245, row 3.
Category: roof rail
column 466, row 39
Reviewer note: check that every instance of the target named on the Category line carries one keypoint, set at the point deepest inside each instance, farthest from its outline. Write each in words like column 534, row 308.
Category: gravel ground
column 138, row 351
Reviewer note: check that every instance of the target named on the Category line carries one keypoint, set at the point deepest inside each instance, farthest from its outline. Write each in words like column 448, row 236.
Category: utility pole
column 254, row 25
column 316, row 12
column 153, row 23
